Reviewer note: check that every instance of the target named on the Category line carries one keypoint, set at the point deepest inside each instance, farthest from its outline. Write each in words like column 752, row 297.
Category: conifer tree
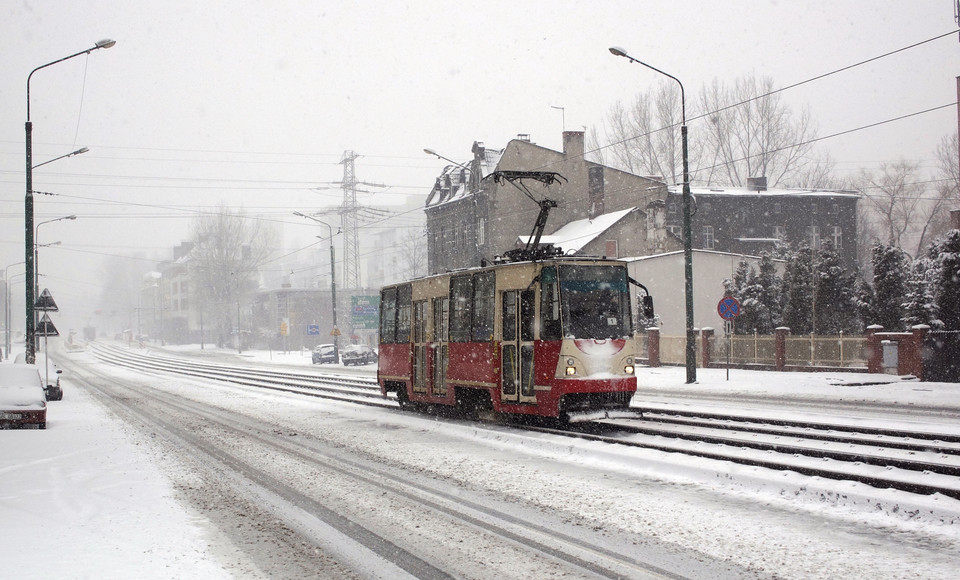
column 946, row 288
column 798, row 291
column 891, row 266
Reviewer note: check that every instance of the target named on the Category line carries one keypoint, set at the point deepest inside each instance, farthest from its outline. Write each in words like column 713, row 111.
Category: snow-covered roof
column 770, row 192
column 459, row 176
column 577, row 234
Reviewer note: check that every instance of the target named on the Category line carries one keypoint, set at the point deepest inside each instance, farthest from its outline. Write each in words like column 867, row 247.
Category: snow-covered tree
column 798, row 291
column 919, row 306
column 891, row 266
column 946, row 281
column 835, row 305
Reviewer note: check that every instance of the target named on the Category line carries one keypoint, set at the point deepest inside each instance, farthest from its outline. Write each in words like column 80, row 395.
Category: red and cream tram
column 551, row 338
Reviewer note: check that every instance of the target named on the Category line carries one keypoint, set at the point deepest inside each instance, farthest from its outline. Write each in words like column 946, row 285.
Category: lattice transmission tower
column 350, row 215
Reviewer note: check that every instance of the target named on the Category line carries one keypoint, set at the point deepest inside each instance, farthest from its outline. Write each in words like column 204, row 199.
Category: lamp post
column 691, row 346
column 28, row 206
column 333, row 282
column 6, row 308
column 37, row 245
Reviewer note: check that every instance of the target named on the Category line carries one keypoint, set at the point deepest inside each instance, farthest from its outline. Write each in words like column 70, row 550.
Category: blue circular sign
column 728, row 308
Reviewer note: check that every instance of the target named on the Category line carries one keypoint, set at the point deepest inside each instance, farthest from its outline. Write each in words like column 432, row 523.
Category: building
column 663, row 276
column 751, row 220
column 473, row 217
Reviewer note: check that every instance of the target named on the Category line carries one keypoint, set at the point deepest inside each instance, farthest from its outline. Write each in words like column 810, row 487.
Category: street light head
column 617, row 51
column 81, row 151
column 430, row 152
column 70, row 217
column 105, row 43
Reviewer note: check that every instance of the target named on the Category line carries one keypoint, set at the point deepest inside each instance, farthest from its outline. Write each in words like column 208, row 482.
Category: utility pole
column 351, row 237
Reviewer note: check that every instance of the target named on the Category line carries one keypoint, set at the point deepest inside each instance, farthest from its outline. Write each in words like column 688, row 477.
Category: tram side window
column 461, row 308
column 549, row 305
column 483, row 306
column 404, row 299
column 388, row 315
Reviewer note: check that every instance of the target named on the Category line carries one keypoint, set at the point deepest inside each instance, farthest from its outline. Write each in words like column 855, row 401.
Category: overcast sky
column 253, row 103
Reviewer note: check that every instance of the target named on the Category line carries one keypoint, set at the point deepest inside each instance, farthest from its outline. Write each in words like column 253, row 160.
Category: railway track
column 922, row 462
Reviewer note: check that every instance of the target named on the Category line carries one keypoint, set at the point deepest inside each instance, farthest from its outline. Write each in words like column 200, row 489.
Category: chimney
column 955, row 218
column 573, row 144
column 757, row 183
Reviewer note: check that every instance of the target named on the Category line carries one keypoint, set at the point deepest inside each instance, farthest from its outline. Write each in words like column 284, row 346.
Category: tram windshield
column 595, row 302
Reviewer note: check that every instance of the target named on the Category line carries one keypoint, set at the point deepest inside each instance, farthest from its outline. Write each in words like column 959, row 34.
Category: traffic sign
column 313, row 330
column 45, row 327
column 45, row 302
column 728, row 308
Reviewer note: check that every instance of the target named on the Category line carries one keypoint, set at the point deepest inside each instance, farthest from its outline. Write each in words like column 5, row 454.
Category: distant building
column 751, row 220
column 472, row 218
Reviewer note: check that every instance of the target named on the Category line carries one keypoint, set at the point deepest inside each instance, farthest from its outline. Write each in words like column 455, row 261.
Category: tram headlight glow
column 571, row 371
column 628, row 369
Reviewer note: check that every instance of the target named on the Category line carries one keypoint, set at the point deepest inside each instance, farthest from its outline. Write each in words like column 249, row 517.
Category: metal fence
column 838, row 351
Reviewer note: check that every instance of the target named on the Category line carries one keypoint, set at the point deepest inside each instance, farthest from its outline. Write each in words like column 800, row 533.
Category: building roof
column 754, row 192
column 573, row 236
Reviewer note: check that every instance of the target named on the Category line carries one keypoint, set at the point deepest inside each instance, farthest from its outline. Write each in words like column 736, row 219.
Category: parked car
column 325, row 353
column 23, row 399
column 357, row 354
column 54, row 392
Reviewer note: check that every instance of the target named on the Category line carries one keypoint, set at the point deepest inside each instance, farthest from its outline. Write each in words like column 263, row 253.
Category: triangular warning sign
column 45, row 327
column 45, row 302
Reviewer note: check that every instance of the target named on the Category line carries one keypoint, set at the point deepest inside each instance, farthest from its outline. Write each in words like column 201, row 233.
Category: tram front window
column 595, row 302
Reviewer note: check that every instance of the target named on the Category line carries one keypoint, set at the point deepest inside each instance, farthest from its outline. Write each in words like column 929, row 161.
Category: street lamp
column 333, row 283
column 80, row 151
column 6, row 308
column 28, row 206
column 691, row 347
column 36, row 246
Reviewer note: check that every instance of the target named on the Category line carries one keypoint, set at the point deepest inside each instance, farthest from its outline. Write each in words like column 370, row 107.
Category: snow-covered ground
column 89, row 498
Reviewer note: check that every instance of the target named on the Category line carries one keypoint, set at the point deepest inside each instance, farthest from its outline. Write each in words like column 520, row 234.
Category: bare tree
column 903, row 208
column 750, row 132
column 644, row 137
column 413, row 254
column 740, row 131
column 228, row 250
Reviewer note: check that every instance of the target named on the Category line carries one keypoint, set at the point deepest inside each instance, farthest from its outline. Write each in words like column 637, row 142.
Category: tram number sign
column 728, row 308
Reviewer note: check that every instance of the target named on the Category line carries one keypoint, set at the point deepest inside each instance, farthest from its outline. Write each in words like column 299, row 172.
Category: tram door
column 421, row 379
column 441, row 333
column 517, row 310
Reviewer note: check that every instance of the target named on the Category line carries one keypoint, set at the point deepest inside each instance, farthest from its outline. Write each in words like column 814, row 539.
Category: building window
column 481, row 226
column 813, row 237
column 778, row 208
column 708, row 240
column 780, row 232
column 837, row 237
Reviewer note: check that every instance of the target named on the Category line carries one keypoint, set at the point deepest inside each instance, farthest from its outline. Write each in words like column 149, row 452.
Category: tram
column 545, row 338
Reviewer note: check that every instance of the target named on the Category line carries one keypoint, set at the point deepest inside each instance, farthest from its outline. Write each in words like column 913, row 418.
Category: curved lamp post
column 37, row 246
column 6, row 309
column 691, row 347
column 333, row 282
column 28, row 206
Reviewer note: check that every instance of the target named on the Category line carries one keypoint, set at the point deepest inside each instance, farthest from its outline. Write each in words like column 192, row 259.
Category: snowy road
column 288, row 487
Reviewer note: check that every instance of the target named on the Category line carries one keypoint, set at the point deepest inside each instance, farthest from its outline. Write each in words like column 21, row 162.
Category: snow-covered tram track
column 230, row 451
column 874, row 456
column 870, row 466
column 336, row 387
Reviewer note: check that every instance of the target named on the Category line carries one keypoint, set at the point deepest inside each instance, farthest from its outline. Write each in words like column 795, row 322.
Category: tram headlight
column 571, row 371
column 628, row 369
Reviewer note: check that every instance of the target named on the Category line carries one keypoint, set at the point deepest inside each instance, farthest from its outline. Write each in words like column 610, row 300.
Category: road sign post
column 729, row 308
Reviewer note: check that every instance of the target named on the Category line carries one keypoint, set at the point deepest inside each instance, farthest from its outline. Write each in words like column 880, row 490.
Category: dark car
column 324, row 353
column 357, row 354
column 23, row 400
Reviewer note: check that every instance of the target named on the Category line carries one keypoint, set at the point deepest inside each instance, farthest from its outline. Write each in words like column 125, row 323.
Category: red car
column 23, row 400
